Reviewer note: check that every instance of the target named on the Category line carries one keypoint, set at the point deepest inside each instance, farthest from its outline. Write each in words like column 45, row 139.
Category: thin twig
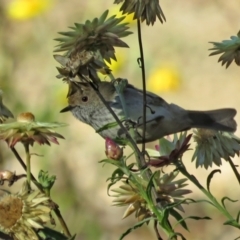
column 25, row 168
column 61, row 220
column 180, row 166
column 28, row 164
column 142, row 66
column 156, row 230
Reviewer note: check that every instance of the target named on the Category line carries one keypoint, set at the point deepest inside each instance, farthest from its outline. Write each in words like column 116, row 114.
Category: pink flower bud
column 113, row 151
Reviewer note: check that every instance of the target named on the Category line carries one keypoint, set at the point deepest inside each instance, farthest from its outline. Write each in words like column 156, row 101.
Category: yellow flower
column 164, row 79
column 25, row 9
column 116, row 66
column 23, row 212
column 115, row 10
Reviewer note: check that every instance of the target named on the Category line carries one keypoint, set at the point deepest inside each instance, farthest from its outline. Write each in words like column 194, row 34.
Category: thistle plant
column 23, row 214
column 143, row 9
column 230, row 50
column 151, row 184
column 88, row 44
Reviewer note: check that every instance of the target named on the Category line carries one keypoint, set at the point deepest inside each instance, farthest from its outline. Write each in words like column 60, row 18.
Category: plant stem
column 28, row 163
column 234, row 169
column 54, row 205
column 151, row 202
column 142, row 66
column 143, row 82
column 25, row 168
column 61, row 220
column 156, row 230
column 215, row 203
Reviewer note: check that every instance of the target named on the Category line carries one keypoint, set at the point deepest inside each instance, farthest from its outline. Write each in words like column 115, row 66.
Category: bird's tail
column 220, row 119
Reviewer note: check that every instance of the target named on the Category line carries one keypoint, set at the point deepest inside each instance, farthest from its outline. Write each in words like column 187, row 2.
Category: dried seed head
column 22, row 213
column 26, row 117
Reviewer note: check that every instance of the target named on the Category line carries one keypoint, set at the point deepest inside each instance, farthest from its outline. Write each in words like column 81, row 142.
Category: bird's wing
column 156, row 106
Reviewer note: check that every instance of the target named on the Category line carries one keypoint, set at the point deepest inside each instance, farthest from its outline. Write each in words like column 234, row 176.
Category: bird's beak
column 66, row 109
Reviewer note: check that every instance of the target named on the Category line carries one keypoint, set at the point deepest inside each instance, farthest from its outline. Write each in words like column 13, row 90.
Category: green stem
column 142, row 66
column 61, row 221
column 25, row 168
column 151, row 202
column 28, row 163
column 55, row 206
column 234, row 169
column 214, row 201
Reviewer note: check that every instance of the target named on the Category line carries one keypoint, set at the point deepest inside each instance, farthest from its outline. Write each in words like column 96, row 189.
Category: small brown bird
column 4, row 111
column 161, row 118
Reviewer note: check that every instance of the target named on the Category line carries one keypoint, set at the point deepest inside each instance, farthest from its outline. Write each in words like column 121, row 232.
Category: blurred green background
column 176, row 54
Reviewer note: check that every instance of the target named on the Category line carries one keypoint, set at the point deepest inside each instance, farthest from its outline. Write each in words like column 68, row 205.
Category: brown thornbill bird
column 162, row 118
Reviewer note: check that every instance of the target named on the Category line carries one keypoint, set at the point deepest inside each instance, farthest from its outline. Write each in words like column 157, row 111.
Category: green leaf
column 227, row 198
column 107, row 126
column 182, row 220
column 237, row 219
column 113, row 162
column 137, row 225
column 73, row 237
column 46, row 180
column 210, row 176
column 229, row 50
column 50, row 234
column 166, row 146
column 103, row 17
column 231, row 223
column 199, row 218
column 177, row 234
column 117, row 176
column 150, row 186
column 179, row 218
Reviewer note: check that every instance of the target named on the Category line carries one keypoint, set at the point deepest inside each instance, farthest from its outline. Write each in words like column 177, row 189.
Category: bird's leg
column 128, row 123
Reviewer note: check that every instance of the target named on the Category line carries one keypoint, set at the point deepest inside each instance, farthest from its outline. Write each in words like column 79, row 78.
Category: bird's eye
column 84, row 99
